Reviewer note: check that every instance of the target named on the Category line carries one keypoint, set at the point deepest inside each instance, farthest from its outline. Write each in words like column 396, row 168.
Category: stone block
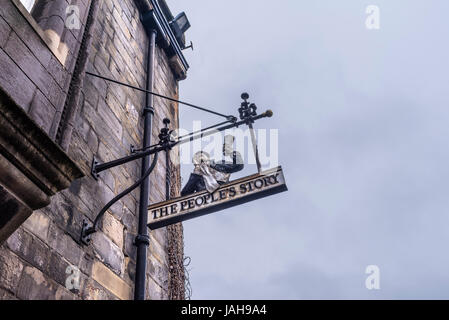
column 108, row 252
column 56, row 267
column 64, row 245
column 58, row 72
column 34, row 285
column 25, row 32
column 91, row 93
column 81, row 153
column 19, row 242
column 86, row 263
column 113, row 229
column 68, row 212
column 154, row 291
column 94, row 291
column 29, row 248
column 10, row 269
column 92, row 141
column 129, row 220
column 38, row 224
column 42, row 111
column 63, row 294
column 121, row 24
column 111, row 122
column 37, row 254
column 108, row 179
column 130, row 270
column 160, row 235
column 69, row 39
column 15, row 82
column 111, row 281
column 130, row 250
column 5, row 30
column 31, row 66
column 158, row 250
column 82, row 127
column 158, row 271
column 95, row 194
column 109, row 5
column 7, row 295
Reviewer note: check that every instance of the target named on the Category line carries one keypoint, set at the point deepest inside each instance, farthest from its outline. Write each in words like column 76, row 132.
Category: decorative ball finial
column 245, row 96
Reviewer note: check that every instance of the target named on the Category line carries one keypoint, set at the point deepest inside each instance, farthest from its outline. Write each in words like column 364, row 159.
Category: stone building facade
column 54, row 119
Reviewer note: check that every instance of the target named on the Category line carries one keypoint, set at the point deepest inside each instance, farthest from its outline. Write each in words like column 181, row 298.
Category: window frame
column 61, row 57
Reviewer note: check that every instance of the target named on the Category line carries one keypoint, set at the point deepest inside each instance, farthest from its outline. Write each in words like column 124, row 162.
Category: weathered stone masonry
column 51, row 190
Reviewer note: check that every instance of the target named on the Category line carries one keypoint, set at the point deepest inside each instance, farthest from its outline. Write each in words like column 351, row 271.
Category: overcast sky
column 363, row 139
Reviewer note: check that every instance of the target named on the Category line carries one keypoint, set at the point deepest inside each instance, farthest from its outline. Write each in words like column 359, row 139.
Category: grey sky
column 363, row 130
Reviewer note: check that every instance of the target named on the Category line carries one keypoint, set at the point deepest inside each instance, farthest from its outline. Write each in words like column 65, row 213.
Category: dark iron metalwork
column 142, row 239
column 164, row 27
column 133, row 150
column 142, row 232
column 165, row 137
column 88, row 230
column 248, row 116
column 179, row 25
column 229, row 117
column 187, row 138
column 189, row 46
column 247, row 111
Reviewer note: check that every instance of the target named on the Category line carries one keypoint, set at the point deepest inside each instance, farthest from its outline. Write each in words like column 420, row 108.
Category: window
column 36, row 8
column 40, row 14
column 28, row 4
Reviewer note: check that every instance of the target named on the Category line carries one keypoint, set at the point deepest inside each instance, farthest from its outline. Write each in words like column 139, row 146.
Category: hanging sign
column 228, row 195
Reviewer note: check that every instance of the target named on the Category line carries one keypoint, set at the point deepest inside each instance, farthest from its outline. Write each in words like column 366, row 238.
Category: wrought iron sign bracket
column 86, row 237
column 247, row 114
column 164, row 144
column 93, row 170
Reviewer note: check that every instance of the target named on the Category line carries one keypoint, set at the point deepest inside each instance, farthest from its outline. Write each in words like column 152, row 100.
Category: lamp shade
column 182, row 22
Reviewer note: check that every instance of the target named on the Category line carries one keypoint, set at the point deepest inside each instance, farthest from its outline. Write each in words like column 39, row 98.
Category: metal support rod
column 207, row 128
column 114, row 163
column 164, row 138
column 266, row 114
column 160, row 95
column 142, row 239
column 164, row 145
column 188, row 135
column 184, row 139
column 86, row 233
column 254, row 143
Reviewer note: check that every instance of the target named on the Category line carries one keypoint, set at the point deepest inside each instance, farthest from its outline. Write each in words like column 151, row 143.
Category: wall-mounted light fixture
column 180, row 24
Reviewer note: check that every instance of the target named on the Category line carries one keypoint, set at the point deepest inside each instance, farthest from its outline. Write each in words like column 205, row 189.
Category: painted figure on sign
column 208, row 174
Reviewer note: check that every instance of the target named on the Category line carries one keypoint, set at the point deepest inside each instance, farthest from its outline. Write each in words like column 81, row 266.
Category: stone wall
column 34, row 72
column 35, row 260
